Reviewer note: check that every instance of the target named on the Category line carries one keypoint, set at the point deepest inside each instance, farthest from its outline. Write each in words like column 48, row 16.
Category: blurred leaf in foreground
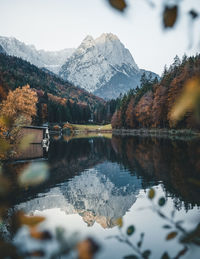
column 188, row 100
column 170, row 15
column 34, row 174
column 130, row 230
column 120, row 222
column 30, row 221
column 119, row 5
column 171, row 235
column 161, row 202
column 193, row 14
column 151, row 193
column 87, row 249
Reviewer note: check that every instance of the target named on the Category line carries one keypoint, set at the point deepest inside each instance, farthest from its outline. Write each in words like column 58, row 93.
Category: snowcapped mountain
column 51, row 60
column 102, row 66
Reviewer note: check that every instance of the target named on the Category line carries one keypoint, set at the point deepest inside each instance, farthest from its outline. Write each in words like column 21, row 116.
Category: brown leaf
column 120, row 222
column 120, row 5
column 171, row 235
column 45, row 235
column 30, row 221
column 87, row 249
column 151, row 193
column 170, row 16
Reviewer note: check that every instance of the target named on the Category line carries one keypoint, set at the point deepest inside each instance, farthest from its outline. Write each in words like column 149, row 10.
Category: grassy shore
column 92, row 128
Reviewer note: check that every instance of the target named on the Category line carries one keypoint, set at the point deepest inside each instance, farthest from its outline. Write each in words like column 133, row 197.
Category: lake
column 97, row 183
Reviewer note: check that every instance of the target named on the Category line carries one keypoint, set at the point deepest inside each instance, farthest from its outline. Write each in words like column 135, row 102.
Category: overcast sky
column 59, row 24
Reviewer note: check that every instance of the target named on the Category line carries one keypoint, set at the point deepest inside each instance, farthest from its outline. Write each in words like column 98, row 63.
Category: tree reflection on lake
column 95, row 181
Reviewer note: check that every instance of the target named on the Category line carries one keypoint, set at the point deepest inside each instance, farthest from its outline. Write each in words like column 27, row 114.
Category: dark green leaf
column 193, row 14
column 146, row 254
column 161, row 202
column 131, row 257
column 130, row 230
column 139, row 244
column 161, row 214
column 167, row 226
column 165, row 256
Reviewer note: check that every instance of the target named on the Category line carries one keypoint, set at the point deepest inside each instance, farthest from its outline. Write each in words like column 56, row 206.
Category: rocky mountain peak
column 107, row 37
column 96, row 61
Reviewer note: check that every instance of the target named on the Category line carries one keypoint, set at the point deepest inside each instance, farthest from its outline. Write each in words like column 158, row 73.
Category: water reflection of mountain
column 101, row 194
column 149, row 160
column 175, row 163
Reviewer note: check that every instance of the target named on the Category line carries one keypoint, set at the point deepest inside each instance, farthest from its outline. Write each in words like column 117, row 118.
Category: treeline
column 15, row 72
column 54, row 109
column 150, row 105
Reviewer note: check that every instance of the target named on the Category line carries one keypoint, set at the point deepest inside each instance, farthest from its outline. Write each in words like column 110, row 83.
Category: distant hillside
column 151, row 105
column 16, row 72
column 52, row 60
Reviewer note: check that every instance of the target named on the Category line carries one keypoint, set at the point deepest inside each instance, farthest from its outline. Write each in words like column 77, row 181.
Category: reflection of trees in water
column 175, row 163
column 152, row 160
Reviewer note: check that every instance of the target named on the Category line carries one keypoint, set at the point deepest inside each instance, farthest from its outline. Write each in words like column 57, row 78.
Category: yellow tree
column 20, row 103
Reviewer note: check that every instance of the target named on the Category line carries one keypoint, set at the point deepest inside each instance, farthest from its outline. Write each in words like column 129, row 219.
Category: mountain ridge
column 103, row 66
column 51, row 60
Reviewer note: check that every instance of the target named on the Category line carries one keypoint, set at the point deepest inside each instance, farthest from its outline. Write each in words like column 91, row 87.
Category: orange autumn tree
column 143, row 110
column 159, row 107
column 130, row 114
column 20, row 103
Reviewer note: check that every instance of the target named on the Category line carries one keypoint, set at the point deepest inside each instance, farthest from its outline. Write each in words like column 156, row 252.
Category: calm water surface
column 95, row 181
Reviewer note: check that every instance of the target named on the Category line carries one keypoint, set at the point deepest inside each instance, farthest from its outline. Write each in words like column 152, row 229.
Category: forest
column 151, row 104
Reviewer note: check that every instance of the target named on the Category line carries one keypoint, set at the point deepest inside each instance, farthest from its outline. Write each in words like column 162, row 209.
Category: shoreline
column 169, row 133
column 153, row 132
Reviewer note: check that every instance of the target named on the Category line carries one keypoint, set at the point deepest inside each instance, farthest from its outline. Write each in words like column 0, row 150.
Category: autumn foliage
column 20, row 102
column 173, row 102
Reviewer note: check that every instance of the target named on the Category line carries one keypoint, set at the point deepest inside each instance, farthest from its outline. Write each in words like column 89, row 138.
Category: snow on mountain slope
column 51, row 60
column 2, row 50
column 102, row 66
column 96, row 62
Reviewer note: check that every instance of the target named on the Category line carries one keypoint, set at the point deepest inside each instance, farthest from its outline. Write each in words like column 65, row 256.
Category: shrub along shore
column 157, row 132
